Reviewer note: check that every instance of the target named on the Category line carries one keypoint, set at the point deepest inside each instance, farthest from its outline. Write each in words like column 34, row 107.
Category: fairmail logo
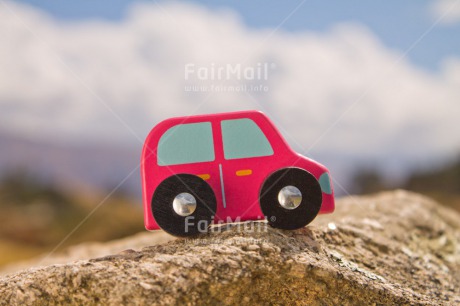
column 214, row 72
column 203, row 225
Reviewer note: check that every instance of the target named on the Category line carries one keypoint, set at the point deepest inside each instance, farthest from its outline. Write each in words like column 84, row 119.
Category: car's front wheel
column 290, row 198
column 184, row 205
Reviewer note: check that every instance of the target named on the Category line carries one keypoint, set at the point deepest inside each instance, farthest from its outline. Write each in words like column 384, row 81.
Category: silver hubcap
column 290, row 197
column 184, row 204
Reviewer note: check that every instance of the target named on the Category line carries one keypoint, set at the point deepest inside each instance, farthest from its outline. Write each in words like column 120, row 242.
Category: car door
column 247, row 154
column 189, row 148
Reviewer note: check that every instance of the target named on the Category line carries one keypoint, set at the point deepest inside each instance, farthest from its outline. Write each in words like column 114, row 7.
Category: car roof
column 216, row 116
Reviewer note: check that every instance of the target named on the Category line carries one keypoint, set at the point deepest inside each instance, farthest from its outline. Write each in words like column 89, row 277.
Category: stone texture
column 391, row 248
column 90, row 250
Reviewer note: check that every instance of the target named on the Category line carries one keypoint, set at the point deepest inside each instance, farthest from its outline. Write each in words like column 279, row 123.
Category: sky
column 397, row 24
column 345, row 82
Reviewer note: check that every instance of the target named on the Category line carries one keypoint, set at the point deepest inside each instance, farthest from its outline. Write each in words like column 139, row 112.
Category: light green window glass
column 185, row 144
column 243, row 138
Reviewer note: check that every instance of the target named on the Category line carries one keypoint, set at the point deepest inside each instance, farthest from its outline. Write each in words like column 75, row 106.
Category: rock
column 391, row 248
column 91, row 250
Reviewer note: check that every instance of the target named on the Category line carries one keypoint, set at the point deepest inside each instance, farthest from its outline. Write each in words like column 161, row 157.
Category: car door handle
column 244, row 172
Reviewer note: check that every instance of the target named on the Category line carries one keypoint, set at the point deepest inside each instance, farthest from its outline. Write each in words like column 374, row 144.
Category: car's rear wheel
column 290, row 198
column 184, row 205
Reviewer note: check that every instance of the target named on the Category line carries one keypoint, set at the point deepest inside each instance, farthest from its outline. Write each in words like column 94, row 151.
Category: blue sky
column 398, row 24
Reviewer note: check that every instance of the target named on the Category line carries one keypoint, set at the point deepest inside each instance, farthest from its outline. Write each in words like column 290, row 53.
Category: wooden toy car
column 228, row 167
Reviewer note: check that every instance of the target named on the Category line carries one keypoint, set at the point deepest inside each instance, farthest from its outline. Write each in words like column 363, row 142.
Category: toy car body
column 238, row 165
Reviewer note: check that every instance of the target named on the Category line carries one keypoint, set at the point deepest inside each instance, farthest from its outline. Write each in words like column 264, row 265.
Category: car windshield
column 243, row 138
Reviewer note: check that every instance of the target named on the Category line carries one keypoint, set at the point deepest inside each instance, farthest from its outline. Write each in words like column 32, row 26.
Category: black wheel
column 184, row 205
column 290, row 198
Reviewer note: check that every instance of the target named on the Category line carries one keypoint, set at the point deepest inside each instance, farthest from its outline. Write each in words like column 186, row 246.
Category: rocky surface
column 90, row 250
column 391, row 248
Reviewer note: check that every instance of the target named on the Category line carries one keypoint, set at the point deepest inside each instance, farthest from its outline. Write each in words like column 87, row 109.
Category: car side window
column 185, row 144
column 243, row 138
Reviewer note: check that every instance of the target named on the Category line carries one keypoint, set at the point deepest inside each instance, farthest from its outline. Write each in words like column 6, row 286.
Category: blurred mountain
column 441, row 182
column 39, row 217
column 445, row 179
column 78, row 167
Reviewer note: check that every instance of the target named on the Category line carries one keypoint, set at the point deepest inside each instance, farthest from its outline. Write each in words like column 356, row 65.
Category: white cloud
column 50, row 81
column 449, row 10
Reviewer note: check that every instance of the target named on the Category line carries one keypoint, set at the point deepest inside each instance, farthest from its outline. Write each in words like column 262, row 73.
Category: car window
column 185, row 144
column 243, row 138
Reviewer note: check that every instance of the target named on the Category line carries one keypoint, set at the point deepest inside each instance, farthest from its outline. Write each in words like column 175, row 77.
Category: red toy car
column 228, row 167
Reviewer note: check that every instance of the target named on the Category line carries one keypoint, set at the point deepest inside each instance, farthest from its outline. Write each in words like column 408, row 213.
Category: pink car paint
column 236, row 182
